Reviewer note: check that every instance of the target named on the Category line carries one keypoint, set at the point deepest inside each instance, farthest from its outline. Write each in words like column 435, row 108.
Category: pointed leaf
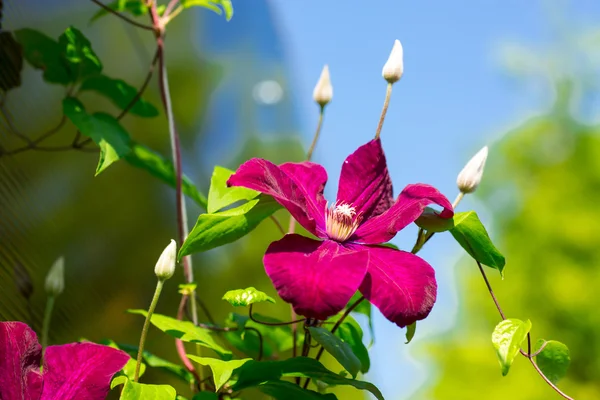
column 158, row 166
column 245, row 297
column 553, row 360
column 44, row 53
column 214, row 230
column 340, row 350
column 507, row 338
column 186, row 331
column 222, row 370
column 410, row 332
column 254, row 373
column 120, row 93
column 212, row 5
column 103, row 129
column 221, row 196
column 470, row 233
column 351, row 333
column 138, row 391
column 78, row 53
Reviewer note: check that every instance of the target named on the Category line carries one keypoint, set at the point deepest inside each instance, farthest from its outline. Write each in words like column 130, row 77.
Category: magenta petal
column 365, row 182
column 296, row 186
column 400, row 284
column 317, row 278
column 20, row 356
column 80, row 371
column 409, row 206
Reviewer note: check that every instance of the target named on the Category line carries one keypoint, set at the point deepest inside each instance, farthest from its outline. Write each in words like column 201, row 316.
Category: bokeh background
column 521, row 77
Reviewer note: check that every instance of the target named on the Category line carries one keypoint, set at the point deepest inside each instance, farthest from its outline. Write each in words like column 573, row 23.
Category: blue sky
column 454, row 98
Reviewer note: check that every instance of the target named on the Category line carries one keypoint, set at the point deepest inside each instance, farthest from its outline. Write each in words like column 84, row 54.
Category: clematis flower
column 319, row 276
column 71, row 371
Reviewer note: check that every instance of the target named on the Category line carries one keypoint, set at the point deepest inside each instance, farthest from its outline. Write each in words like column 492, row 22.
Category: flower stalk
column 159, row 286
column 47, row 318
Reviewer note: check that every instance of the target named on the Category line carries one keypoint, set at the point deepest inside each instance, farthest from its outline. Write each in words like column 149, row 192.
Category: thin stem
column 260, row 341
column 170, row 7
column 489, row 287
column 459, row 197
column 552, row 385
column 386, row 103
column 278, row 224
column 46, row 323
column 123, row 17
column 272, row 323
column 159, row 286
column 142, row 88
column 313, row 145
column 306, row 345
column 179, row 344
column 52, row 131
column 170, row 17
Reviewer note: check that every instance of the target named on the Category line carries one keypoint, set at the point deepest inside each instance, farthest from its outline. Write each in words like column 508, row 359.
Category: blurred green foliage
column 542, row 184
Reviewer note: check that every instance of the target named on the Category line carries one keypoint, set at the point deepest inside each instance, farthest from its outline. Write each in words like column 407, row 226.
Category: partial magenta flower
column 72, row 371
column 318, row 277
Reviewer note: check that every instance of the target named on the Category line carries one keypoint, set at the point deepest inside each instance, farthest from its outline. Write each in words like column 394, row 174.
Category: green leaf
column 365, row 307
column 104, row 130
column 282, row 390
column 78, row 53
column 276, row 338
column 134, row 7
column 221, row 196
column 127, row 373
column 245, row 297
column 138, row 391
column 470, row 233
column 45, row 54
column 351, row 333
column 340, row 350
column 160, row 363
column 212, row 5
column 121, row 93
column 410, row 332
column 206, row 396
column 214, row 230
column 553, row 360
column 144, row 158
column 186, row 331
column 254, row 373
column 221, row 370
column 431, row 221
column 507, row 338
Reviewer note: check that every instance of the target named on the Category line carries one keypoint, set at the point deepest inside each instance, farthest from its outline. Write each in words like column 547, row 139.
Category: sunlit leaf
column 221, row 196
column 44, row 53
column 255, row 373
column 340, row 350
column 221, row 370
column 507, row 338
column 186, row 331
column 158, row 166
column 470, row 233
column 212, row 5
column 245, row 297
column 553, row 360
column 410, row 331
column 137, row 391
column 78, row 53
column 214, row 230
column 103, row 129
column 121, row 93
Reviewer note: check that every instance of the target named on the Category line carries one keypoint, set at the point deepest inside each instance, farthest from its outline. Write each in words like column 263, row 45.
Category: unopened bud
column 323, row 92
column 394, row 67
column 165, row 266
column 55, row 280
column 470, row 177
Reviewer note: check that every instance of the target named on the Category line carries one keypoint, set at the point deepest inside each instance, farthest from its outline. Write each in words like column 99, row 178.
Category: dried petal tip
column 470, row 177
column 165, row 266
column 394, row 67
column 323, row 91
column 55, row 280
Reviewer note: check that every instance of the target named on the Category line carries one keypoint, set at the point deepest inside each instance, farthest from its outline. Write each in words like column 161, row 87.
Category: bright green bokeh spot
column 507, row 338
column 221, row 196
column 340, row 350
column 245, row 297
column 470, row 233
column 553, row 360
column 222, row 370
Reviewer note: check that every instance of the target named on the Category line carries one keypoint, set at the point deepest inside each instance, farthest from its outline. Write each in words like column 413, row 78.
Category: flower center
column 341, row 221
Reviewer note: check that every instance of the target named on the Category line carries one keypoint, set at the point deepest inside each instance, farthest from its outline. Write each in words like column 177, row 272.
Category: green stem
column 311, row 149
column 386, row 103
column 46, row 324
column 159, row 286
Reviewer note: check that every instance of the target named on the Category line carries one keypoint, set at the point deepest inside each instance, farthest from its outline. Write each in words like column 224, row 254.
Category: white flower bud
column 470, row 177
column 55, row 280
column 165, row 266
column 394, row 67
column 323, row 91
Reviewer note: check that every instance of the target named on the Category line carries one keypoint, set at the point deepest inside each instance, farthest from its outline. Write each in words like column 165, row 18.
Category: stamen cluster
column 341, row 221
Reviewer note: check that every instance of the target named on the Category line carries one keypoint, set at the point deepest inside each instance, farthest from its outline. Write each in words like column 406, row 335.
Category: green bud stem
column 386, row 103
column 159, row 286
column 46, row 323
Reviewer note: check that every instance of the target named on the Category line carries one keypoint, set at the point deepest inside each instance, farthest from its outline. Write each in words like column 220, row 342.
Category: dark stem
column 142, row 88
column 272, row 323
column 124, row 17
column 278, row 224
